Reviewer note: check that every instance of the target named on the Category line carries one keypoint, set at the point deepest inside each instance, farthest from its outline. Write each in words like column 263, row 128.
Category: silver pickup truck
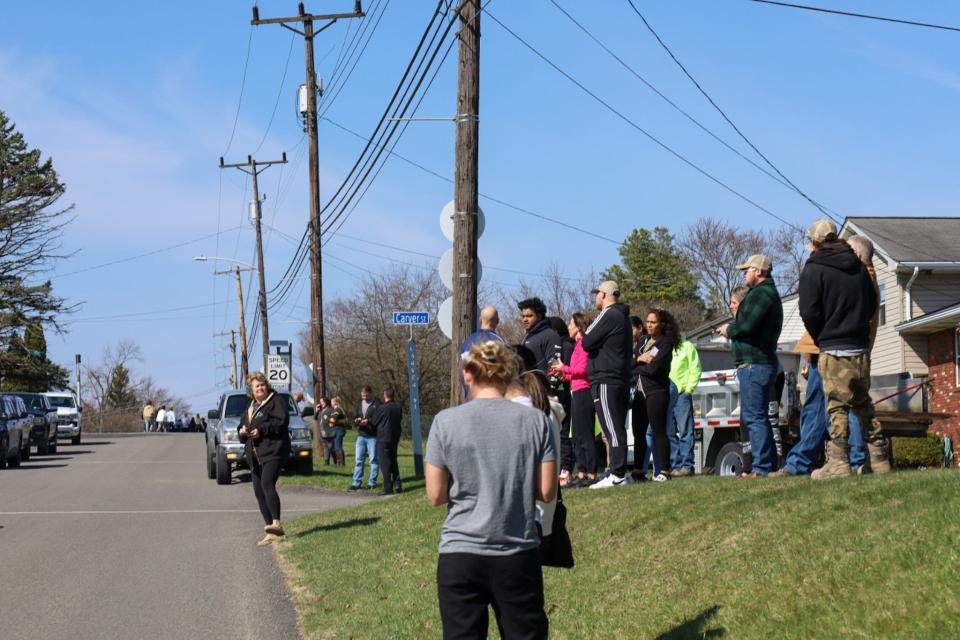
column 225, row 452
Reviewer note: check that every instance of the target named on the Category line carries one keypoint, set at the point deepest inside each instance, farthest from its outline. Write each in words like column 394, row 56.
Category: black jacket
column 542, row 340
column 370, row 429
column 837, row 298
column 388, row 418
column 608, row 342
column 654, row 376
column 271, row 419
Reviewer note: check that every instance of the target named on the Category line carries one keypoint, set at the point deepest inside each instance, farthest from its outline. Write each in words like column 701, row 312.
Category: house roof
column 907, row 239
column 932, row 322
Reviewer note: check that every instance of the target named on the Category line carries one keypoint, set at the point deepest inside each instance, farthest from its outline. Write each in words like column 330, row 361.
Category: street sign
column 414, row 379
column 411, row 317
column 278, row 370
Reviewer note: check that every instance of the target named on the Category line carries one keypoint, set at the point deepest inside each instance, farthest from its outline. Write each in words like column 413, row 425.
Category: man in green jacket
column 754, row 334
column 685, row 370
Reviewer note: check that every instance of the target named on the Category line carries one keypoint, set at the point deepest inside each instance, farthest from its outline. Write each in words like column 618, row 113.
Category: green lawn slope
column 864, row 557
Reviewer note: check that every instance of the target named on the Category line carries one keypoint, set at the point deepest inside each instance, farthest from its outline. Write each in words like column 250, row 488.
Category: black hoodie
column 837, row 298
column 608, row 342
column 543, row 341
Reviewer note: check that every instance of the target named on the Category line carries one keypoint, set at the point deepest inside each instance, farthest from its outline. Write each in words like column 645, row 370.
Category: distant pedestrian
column 170, row 419
column 582, row 416
column 148, row 416
column 837, row 304
column 337, row 423
column 685, row 370
column 608, row 342
column 324, row 435
column 560, row 390
column 490, row 459
column 264, row 431
column 489, row 321
column 540, row 338
column 754, row 333
column 389, row 424
column 366, row 440
column 160, row 423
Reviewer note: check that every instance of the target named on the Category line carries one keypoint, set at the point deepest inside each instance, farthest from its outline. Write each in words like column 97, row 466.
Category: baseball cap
column 821, row 231
column 757, row 261
column 610, row 287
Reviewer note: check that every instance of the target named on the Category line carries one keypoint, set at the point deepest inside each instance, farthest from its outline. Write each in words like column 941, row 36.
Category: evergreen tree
column 120, row 393
column 652, row 268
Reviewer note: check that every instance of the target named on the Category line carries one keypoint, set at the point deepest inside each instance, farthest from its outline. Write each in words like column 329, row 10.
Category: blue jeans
column 651, row 451
column 365, row 445
column 756, row 384
column 814, row 425
column 858, row 449
column 680, row 430
column 338, row 433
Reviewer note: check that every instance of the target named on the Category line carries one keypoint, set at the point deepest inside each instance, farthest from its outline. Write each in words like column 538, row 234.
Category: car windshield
column 237, row 404
column 62, row 401
column 33, row 401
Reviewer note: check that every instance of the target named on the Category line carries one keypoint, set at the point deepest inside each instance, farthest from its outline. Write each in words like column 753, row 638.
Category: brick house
column 917, row 261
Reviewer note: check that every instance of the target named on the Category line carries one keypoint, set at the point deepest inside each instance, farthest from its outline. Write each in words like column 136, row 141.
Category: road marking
column 140, row 512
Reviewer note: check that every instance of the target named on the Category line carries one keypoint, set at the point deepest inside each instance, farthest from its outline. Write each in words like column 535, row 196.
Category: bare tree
column 98, row 377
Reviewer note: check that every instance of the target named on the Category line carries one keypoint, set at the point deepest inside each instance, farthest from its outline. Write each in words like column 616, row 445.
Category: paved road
column 125, row 537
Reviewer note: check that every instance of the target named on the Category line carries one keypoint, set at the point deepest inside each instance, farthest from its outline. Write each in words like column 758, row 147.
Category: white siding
column 887, row 355
column 915, row 354
column 935, row 291
column 793, row 328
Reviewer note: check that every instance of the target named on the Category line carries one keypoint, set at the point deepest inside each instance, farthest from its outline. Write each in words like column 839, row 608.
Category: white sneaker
column 660, row 478
column 610, row 481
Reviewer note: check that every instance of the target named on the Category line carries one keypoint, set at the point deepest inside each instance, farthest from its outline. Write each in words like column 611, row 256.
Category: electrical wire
column 243, row 84
column 276, row 103
column 643, row 131
column 851, row 14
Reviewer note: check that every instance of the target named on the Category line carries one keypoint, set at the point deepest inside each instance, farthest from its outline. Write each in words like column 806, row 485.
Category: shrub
column 910, row 453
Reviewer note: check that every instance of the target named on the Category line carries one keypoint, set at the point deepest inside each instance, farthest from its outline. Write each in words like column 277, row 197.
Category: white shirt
column 161, row 416
column 170, row 416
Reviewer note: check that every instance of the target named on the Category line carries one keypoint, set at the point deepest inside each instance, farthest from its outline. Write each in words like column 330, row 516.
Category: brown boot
column 879, row 458
column 837, row 465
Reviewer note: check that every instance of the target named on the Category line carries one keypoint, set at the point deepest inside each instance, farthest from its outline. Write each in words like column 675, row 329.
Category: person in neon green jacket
column 685, row 370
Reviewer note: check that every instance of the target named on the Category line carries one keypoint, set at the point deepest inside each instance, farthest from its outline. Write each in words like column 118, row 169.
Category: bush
column 910, row 453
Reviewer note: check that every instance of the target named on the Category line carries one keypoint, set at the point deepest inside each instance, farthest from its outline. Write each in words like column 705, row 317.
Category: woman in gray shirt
column 489, row 460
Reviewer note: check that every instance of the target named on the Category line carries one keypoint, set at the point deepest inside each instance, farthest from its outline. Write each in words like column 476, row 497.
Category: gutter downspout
column 908, row 297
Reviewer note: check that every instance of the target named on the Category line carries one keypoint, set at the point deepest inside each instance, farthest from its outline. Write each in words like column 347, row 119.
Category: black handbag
column 556, row 549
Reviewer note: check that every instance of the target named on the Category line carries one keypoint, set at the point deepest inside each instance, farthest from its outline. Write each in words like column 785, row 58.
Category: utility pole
column 317, row 349
column 466, row 193
column 244, row 358
column 250, row 167
column 233, row 350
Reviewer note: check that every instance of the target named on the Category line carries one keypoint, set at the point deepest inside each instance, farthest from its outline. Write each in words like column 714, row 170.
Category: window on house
column 883, row 305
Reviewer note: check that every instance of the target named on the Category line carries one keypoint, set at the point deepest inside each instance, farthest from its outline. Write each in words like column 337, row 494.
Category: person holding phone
column 264, row 432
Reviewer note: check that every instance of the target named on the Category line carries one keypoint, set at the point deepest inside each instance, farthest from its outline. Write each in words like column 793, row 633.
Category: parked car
column 16, row 427
column 43, row 433
column 69, row 415
column 225, row 452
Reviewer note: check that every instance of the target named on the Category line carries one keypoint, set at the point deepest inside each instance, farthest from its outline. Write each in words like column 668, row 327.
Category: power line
column 634, row 125
column 724, row 115
column 485, row 196
column 852, row 14
column 243, row 84
column 276, row 103
column 144, row 255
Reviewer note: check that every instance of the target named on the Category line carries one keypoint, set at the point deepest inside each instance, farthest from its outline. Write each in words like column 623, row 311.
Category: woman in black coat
column 263, row 430
column 651, row 403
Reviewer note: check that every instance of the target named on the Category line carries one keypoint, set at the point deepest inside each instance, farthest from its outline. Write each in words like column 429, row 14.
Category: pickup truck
column 69, row 415
column 225, row 452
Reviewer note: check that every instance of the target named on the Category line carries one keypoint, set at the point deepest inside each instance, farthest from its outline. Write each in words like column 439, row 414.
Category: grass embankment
column 871, row 557
column 336, row 477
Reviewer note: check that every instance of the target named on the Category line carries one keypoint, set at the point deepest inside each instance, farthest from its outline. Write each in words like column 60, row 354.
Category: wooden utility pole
column 466, row 194
column 244, row 356
column 317, row 348
column 234, row 381
column 254, row 169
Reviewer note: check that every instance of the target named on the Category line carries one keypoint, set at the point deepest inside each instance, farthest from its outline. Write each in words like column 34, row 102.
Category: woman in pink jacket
column 581, row 408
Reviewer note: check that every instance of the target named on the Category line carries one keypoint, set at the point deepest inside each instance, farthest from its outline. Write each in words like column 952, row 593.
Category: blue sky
column 136, row 102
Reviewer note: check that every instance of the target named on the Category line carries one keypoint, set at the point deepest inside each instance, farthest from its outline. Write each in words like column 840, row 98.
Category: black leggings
column 584, row 423
column 265, row 488
column 651, row 409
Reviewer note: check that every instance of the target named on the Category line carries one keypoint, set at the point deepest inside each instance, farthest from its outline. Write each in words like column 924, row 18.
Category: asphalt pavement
column 125, row 537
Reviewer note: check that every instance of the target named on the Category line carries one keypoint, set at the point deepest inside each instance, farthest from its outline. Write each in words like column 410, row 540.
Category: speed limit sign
column 278, row 371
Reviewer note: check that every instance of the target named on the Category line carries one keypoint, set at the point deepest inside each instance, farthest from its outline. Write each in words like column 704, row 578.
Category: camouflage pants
column 846, row 383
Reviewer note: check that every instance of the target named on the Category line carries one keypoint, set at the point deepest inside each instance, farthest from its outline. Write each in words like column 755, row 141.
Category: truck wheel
column 223, row 470
column 25, row 449
column 729, row 460
column 14, row 461
column 52, row 448
column 43, row 447
column 4, row 447
column 76, row 439
column 305, row 467
column 211, row 466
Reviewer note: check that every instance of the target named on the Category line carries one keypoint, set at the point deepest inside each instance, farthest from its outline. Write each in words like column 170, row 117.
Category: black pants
column 583, row 418
column 651, row 409
column 265, row 488
column 389, row 468
column 567, row 453
column 512, row 585
column 610, row 400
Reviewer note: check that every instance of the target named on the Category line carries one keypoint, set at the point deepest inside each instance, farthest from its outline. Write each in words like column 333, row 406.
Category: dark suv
column 14, row 431
column 44, row 415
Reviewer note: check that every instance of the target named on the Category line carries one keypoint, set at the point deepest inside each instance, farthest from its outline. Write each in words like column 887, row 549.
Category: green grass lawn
column 335, row 477
column 868, row 557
